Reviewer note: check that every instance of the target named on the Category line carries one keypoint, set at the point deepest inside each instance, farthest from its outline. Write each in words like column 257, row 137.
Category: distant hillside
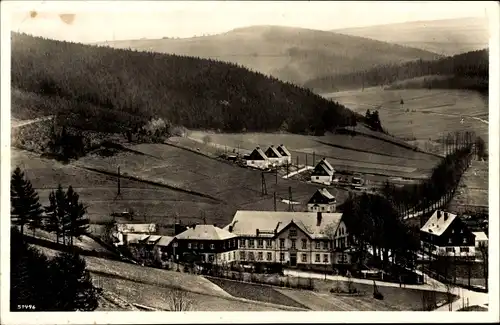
column 290, row 54
column 110, row 90
column 463, row 71
column 446, row 37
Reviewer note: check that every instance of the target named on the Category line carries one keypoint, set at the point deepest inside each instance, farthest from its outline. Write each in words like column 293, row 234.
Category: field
column 473, row 188
column 436, row 112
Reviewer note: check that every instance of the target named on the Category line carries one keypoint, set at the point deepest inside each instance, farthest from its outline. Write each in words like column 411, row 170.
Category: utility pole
column 274, row 194
column 314, row 158
column 264, row 187
column 119, row 187
column 276, row 173
column 290, row 206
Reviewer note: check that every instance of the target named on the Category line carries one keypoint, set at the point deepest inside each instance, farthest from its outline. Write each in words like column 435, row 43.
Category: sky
column 103, row 21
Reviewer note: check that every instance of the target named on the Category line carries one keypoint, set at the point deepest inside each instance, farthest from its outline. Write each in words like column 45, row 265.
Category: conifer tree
column 25, row 205
column 76, row 223
column 56, row 211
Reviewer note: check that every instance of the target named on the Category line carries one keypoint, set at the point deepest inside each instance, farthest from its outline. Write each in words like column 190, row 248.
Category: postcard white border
column 231, row 317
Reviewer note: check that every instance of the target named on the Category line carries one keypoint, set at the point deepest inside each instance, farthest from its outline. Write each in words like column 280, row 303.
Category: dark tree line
column 39, row 283
column 373, row 222
column 113, row 90
column 459, row 69
column 438, row 189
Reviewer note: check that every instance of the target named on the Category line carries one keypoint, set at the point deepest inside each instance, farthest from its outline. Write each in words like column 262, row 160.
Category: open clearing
column 437, row 111
column 473, row 188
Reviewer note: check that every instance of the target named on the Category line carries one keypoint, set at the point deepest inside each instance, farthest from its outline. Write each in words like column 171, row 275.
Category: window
column 251, row 243
column 234, row 255
column 251, row 256
column 450, row 249
column 449, row 241
column 242, row 242
column 453, row 231
column 322, row 208
column 317, row 258
column 211, row 258
column 260, row 243
column 325, row 245
column 282, row 243
column 304, row 244
column 195, row 245
column 464, row 249
column 325, row 258
column 282, row 257
column 189, row 245
column 269, row 256
column 242, row 256
column 317, row 177
column 304, row 258
column 293, row 243
column 212, row 246
column 201, row 246
column 260, row 256
column 293, row 232
column 317, row 244
column 176, row 244
column 269, row 243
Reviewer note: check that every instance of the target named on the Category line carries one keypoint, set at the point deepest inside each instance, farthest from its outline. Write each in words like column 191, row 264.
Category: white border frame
column 232, row 317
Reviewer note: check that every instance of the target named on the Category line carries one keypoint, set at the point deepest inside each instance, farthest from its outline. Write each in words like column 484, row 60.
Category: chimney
column 318, row 219
column 439, row 214
column 257, row 232
column 272, row 146
column 445, row 216
column 231, row 228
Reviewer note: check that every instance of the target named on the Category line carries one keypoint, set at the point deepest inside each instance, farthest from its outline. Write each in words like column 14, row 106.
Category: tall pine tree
column 25, row 205
column 56, row 211
column 76, row 223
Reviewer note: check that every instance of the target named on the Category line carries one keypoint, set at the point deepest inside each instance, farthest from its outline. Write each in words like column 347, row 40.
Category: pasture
column 432, row 113
column 473, row 188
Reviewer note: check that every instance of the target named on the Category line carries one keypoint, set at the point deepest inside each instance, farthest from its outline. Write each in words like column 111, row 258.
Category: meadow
column 473, row 188
column 432, row 113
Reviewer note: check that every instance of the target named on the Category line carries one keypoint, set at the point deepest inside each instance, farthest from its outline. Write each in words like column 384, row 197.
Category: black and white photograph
column 249, row 156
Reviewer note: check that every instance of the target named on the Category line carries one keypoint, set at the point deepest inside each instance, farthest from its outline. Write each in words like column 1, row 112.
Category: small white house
column 285, row 154
column 322, row 201
column 274, row 157
column 323, row 173
column 481, row 238
column 257, row 159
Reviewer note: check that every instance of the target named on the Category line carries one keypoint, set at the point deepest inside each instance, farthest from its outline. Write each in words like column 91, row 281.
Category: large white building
column 295, row 239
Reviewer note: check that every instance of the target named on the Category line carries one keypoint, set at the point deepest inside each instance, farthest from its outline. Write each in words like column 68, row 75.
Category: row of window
column 293, row 243
column 195, row 246
column 269, row 257
column 462, row 249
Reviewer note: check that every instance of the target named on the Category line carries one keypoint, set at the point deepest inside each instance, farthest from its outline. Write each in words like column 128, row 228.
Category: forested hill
column 463, row 71
column 112, row 90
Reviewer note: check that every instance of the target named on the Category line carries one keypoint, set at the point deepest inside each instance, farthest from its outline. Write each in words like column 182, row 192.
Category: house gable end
column 290, row 225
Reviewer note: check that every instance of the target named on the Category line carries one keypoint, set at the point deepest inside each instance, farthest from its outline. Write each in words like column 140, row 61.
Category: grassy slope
column 110, row 90
column 447, row 37
column 291, row 54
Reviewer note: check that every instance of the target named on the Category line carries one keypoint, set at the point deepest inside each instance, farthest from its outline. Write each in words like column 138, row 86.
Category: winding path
column 18, row 123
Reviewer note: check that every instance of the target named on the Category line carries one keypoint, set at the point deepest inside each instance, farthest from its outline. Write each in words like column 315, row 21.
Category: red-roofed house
column 445, row 233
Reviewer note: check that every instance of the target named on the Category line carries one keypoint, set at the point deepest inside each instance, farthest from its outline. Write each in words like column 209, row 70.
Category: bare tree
column 179, row 301
column 483, row 248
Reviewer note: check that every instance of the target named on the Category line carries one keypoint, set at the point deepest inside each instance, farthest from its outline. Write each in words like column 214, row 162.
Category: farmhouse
column 124, row 232
column 205, row 244
column 296, row 239
column 322, row 173
column 285, row 154
column 322, row 201
column 258, row 159
column 444, row 233
column 273, row 155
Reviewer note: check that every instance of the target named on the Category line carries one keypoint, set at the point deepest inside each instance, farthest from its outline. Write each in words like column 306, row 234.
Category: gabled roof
column 136, row 227
column 323, row 193
column 246, row 223
column 257, row 154
column 205, row 232
column 273, row 150
column 136, row 238
column 284, row 151
column 437, row 224
column 480, row 235
column 324, row 167
column 326, row 163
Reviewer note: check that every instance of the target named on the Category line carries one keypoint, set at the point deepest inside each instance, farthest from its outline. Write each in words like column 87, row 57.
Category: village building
column 295, row 239
column 205, row 244
column 322, row 201
column 445, row 234
column 122, row 230
column 481, row 238
column 274, row 157
column 257, row 159
column 285, row 154
column 323, row 173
